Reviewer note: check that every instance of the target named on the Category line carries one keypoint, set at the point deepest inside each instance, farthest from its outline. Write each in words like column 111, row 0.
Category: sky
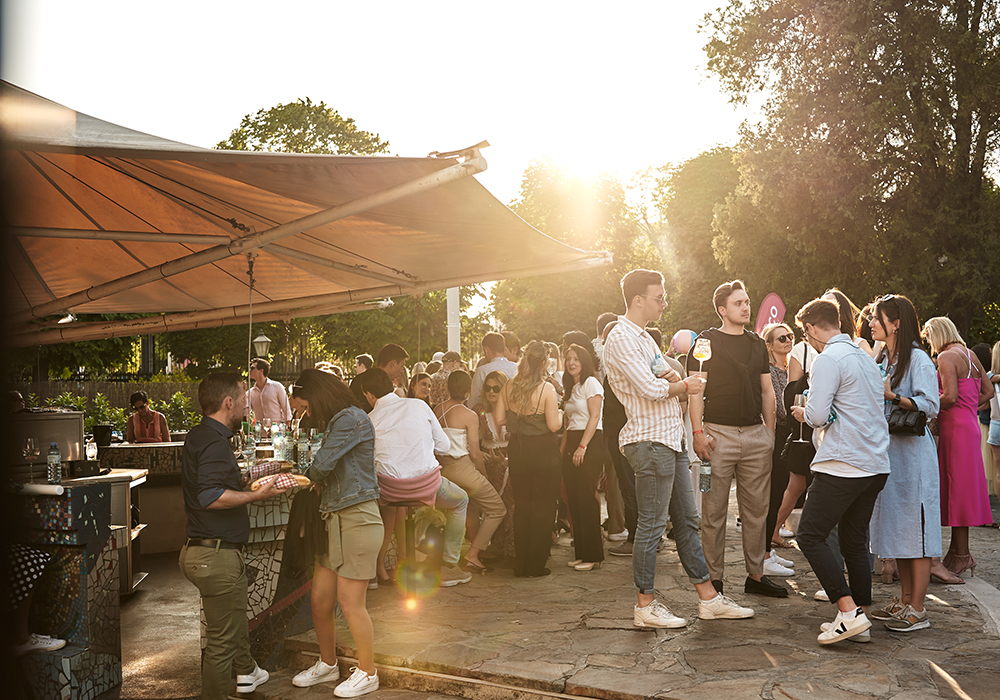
column 596, row 89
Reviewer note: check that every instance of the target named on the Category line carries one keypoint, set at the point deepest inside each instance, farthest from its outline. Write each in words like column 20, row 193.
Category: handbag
column 905, row 422
column 794, row 453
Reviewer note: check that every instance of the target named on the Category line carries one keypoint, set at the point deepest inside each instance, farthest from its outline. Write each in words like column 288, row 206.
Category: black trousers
column 626, row 482
column 779, row 480
column 848, row 504
column 581, row 491
column 535, row 475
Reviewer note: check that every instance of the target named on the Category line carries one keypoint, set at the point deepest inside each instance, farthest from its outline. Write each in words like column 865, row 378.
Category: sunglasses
column 492, row 388
column 785, row 338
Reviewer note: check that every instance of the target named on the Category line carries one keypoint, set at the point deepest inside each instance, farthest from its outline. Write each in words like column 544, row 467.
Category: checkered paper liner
column 261, row 469
column 285, row 481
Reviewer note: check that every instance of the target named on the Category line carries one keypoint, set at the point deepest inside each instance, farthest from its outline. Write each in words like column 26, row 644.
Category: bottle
column 659, row 365
column 250, row 449
column 277, row 442
column 302, row 445
column 54, row 460
column 705, row 476
column 315, row 443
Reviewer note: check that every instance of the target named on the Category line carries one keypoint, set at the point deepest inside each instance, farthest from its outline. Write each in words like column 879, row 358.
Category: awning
column 104, row 219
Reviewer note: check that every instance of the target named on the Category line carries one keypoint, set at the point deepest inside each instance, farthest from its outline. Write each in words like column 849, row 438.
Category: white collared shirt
column 407, row 436
column 653, row 416
column 270, row 402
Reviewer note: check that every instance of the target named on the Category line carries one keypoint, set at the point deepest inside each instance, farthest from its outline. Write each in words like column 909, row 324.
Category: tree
column 589, row 215
column 868, row 170
column 302, row 127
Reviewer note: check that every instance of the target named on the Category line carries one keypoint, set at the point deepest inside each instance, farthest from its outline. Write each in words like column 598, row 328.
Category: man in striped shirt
column 652, row 441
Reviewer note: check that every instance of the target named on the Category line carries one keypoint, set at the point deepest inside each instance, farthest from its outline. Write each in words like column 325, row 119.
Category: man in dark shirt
column 218, row 527
column 733, row 426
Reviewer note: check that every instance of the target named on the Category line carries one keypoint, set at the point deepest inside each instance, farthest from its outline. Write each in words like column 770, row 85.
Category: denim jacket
column 345, row 465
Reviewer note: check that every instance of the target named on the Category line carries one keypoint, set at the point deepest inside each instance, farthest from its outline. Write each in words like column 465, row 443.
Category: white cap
column 438, row 357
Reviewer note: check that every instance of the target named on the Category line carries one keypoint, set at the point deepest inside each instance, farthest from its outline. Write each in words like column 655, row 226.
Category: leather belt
column 214, row 544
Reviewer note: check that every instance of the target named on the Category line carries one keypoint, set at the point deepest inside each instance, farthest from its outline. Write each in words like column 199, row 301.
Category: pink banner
column 772, row 310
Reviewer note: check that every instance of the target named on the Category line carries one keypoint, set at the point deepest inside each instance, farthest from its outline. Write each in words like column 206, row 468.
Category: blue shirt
column 846, row 380
column 209, row 467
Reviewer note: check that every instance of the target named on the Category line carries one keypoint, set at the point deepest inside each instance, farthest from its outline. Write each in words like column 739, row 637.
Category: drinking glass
column 800, row 400
column 702, row 351
column 31, row 452
column 266, row 425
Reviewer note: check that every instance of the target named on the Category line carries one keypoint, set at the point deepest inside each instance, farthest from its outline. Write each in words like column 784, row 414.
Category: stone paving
column 572, row 632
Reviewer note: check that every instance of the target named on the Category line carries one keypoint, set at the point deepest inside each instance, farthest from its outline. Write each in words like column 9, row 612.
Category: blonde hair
column 941, row 332
column 530, row 374
column 767, row 334
column 995, row 369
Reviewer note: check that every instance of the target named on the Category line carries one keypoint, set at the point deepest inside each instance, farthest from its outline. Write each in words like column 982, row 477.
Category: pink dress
column 965, row 500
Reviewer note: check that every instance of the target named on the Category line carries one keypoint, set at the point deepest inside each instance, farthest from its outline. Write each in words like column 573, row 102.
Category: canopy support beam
column 475, row 164
column 288, row 308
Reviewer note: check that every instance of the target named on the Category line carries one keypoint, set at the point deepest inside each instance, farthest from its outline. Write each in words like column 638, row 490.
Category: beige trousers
column 743, row 452
column 483, row 498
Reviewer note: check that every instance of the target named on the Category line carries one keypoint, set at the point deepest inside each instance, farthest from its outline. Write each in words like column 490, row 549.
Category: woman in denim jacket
column 344, row 467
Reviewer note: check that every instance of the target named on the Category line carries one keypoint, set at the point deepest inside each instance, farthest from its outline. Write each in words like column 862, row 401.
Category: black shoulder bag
column 798, row 453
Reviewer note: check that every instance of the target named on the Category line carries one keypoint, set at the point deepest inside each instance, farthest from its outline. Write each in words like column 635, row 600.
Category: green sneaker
column 908, row 620
column 887, row 612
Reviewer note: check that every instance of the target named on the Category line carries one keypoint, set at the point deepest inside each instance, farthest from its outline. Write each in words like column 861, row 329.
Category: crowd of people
column 515, row 448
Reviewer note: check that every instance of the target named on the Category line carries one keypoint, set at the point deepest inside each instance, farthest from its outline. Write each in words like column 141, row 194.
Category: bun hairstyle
column 530, row 373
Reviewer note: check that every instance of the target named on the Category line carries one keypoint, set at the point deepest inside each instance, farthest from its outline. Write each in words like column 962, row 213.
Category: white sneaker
column 785, row 532
column 862, row 638
column 773, row 568
column 656, row 615
column 39, row 642
column 781, row 560
column 249, row 683
column 843, row 628
column 722, row 608
column 450, row 576
column 822, row 597
column 357, row 684
column 319, row 672
column 618, row 536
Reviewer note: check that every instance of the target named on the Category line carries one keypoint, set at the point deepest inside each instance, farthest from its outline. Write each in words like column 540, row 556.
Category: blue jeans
column 662, row 484
column 455, row 503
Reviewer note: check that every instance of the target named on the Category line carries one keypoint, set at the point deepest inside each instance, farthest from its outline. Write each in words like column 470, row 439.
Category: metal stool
column 406, row 564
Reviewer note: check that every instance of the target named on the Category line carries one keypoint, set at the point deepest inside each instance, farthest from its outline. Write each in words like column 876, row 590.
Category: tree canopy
column 302, row 127
column 592, row 215
column 868, row 170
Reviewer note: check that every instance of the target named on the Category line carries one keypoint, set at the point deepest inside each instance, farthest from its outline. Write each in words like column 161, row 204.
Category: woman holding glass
column 529, row 407
column 583, row 459
column 493, row 444
column 780, row 339
column 906, row 522
column 344, row 468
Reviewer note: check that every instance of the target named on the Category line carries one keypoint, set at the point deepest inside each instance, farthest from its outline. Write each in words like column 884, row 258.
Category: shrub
column 178, row 410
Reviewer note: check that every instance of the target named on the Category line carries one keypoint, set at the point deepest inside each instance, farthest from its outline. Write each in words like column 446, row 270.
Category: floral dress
column 495, row 456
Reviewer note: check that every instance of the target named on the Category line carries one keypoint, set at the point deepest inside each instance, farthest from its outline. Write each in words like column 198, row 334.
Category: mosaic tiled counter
column 278, row 601
column 159, row 459
column 77, row 598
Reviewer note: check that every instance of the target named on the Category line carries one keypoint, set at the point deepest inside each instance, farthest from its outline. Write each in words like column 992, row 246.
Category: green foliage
column 591, row 215
column 223, row 348
column 103, row 413
column 178, row 410
column 163, row 377
column 68, row 400
column 868, row 170
column 302, row 127
column 97, row 357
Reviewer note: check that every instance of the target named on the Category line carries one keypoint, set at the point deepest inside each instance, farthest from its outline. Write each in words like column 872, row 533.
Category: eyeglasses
column 662, row 299
column 492, row 388
column 785, row 338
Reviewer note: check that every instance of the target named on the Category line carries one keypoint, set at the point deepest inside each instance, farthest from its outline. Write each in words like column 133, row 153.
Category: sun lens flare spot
column 411, row 603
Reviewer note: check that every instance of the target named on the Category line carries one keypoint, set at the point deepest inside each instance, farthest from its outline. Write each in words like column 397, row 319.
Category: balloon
column 682, row 341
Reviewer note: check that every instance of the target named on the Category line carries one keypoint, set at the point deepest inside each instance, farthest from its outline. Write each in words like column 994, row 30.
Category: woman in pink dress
column 964, row 387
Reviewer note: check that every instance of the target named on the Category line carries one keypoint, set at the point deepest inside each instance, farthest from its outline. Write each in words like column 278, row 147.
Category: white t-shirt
column 576, row 406
column 835, row 467
column 799, row 351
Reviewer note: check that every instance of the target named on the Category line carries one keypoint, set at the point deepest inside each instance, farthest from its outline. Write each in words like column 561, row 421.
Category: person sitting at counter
column 145, row 425
column 218, row 528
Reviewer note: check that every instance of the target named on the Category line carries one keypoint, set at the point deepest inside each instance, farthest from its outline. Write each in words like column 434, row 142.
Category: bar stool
column 406, row 560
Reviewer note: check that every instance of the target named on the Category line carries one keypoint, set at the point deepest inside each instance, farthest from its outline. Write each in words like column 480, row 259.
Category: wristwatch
column 896, row 399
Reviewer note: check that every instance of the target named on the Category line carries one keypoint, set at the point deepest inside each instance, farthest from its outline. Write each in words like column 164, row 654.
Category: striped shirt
column 652, row 415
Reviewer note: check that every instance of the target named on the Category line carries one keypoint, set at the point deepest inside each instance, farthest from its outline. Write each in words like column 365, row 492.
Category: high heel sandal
column 953, row 580
column 889, row 572
column 963, row 562
column 588, row 565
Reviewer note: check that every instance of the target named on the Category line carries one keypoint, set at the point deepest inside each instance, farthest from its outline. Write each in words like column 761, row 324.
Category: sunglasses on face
column 785, row 338
column 492, row 388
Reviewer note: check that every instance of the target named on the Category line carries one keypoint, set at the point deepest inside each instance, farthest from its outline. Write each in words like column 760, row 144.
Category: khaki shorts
column 354, row 536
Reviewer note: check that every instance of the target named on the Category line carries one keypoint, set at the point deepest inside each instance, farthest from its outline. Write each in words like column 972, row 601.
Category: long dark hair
column 586, row 369
column 327, row 395
column 410, row 392
column 848, row 312
column 896, row 307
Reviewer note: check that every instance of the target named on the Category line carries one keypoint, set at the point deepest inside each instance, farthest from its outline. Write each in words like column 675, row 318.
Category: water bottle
column 277, row 442
column 705, row 476
column 250, row 450
column 303, row 447
column 54, row 460
column 659, row 365
column 315, row 443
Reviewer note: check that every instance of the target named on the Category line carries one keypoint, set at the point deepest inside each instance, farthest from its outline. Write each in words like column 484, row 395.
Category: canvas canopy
column 104, row 219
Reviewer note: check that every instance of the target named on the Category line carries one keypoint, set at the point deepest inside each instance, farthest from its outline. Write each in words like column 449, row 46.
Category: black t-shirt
column 208, row 467
column 733, row 392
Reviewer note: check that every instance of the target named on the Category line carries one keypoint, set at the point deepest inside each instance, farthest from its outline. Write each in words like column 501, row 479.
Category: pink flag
column 772, row 310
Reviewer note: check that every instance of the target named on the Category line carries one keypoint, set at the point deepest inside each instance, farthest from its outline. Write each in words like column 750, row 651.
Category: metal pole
column 243, row 245
column 454, row 321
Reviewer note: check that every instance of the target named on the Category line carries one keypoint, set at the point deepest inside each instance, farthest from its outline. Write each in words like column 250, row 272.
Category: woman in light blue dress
column 906, row 522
